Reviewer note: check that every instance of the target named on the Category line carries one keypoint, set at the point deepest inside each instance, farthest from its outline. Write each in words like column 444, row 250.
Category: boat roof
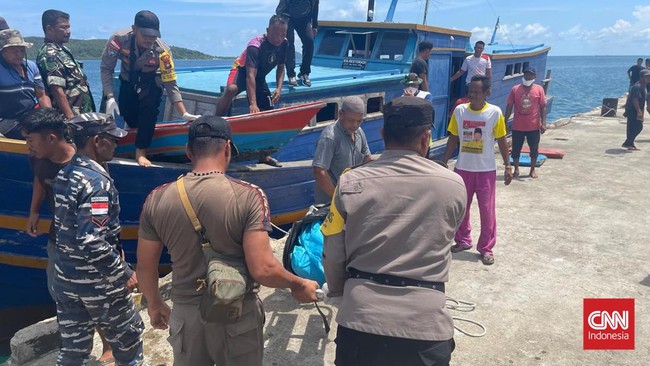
column 498, row 50
column 385, row 25
column 211, row 79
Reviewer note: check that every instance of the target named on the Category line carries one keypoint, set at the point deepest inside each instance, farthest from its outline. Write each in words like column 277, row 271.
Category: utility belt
column 142, row 84
column 391, row 280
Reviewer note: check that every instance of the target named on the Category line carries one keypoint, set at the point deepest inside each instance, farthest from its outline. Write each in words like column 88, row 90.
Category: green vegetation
column 91, row 49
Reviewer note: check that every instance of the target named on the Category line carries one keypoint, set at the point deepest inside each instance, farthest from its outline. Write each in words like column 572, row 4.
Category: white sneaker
column 293, row 81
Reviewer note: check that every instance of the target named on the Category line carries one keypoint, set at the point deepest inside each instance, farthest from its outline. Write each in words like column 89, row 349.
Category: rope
column 465, row 307
column 285, row 233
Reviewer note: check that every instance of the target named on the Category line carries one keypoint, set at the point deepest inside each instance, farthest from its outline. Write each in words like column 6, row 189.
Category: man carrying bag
column 232, row 224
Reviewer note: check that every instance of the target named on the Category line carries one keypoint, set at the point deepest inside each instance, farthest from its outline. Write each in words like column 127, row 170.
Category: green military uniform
column 59, row 68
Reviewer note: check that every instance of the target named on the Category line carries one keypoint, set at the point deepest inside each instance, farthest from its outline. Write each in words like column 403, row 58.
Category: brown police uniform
column 227, row 208
column 142, row 77
column 394, row 216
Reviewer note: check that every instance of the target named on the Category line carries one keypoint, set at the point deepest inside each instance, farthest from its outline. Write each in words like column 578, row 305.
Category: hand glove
column 112, row 107
column 190, row 117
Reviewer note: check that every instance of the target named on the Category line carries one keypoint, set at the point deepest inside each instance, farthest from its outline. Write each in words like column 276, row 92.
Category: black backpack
column 315, row 213
column 297, row 9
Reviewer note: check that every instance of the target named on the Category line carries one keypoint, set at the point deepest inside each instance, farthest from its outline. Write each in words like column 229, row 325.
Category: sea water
column 579, row 82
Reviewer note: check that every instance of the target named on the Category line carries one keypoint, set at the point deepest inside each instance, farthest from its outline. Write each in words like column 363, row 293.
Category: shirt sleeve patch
column 167, row 72
column 99, row 206
column 334, row 222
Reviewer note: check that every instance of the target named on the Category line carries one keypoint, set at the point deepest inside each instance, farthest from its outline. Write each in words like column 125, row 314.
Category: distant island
column 91, row 49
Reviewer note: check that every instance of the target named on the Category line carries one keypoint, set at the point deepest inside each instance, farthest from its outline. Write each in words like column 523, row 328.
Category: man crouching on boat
column 262, row 54
column 146, row 65
column 92, row 282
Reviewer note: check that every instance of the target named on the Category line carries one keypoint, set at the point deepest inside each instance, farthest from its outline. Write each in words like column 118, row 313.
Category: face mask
column 411, row 90
column 527, row 82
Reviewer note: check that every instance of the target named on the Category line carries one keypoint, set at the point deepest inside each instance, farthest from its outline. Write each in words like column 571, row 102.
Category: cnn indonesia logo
column 608, row 324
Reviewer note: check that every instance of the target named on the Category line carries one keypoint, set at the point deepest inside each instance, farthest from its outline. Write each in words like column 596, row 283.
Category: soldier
column 147, row 62
column 62, row 74
column 389, row 260
column 92, row 282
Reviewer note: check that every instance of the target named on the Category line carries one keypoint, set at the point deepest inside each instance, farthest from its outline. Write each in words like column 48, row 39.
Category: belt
column 391, row 280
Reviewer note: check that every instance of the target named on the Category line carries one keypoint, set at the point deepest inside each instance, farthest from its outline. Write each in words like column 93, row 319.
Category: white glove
column 112, row 107
column 190, row 117
column 329, row 300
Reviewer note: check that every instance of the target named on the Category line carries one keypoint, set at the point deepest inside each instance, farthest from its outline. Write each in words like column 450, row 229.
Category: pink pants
column 483, row 184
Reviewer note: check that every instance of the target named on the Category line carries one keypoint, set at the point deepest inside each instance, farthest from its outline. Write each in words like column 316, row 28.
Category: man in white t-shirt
column 475, row 64
column 475, row 126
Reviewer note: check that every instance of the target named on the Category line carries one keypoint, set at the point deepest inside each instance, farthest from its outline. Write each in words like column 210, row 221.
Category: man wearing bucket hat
column 412, row 84
column 390, row 259
column 147, row 63
column 92, row 282
column 236, row 220
column 21, row 86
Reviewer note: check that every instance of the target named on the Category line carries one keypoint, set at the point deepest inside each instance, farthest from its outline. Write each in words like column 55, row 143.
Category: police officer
column 92, row 282
column 62, row 74
column 147, row 64
column 389, row 259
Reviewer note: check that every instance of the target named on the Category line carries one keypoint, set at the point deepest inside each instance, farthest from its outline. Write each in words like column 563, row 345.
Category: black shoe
column 304, row 78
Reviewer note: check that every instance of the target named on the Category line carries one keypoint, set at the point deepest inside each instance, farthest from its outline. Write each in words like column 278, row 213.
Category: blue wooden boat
column 23, row 259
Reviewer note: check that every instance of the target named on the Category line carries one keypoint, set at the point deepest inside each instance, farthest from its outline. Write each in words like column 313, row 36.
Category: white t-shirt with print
column 475, row 66
column 476, row 131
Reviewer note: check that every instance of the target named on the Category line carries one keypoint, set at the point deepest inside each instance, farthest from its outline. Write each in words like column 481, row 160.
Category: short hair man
column 476, row 164
column 341, row 145
column 146, row 63
column 387, row 248
column 529, row 121
column 302, row 17
column 92, row 282
column 21, row 85
column 62, row 74
column 239, row 221
column 633, row 71
column 420, row 65
column 634, row 104
column 475, row 64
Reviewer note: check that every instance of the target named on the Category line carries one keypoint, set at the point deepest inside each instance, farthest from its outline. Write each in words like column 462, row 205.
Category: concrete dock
column 580, row 231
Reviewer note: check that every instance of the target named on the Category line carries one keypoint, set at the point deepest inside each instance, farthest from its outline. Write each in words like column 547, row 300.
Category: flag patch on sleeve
column 99, row 206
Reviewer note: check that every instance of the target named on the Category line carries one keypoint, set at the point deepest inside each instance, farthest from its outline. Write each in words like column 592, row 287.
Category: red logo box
column 608, row 324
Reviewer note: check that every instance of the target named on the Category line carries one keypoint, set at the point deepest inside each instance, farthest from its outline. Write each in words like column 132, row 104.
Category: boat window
column 526, row 64
column 328, row 113
column 361, row 44
column 518, row 68
column 392, row 46
column 374, row 104
column 509, row 70
column 331, row 43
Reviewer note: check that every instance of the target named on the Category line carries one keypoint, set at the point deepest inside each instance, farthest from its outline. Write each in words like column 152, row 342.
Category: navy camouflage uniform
column 90, row 274
column 59, row 68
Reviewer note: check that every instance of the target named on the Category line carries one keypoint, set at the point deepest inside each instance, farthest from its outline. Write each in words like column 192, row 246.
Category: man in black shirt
column 420, row 65
column 634, row 109
column 633, row 72
column 303, row 18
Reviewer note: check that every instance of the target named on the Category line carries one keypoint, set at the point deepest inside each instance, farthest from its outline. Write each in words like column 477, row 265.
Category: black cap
column 212, row 126
column 91, row 124
column 530, row 70
column 408, row 111
column 147, row 23
column 3, row 24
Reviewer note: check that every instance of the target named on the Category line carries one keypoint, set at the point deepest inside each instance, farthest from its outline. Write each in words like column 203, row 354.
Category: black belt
column 391, row 280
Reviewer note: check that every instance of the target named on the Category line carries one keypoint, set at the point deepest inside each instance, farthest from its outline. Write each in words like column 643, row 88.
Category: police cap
column 147, row 23
column 212, row 126
column 408, row 111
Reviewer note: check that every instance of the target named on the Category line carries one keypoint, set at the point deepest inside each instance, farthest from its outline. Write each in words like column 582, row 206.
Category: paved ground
column 579, row 231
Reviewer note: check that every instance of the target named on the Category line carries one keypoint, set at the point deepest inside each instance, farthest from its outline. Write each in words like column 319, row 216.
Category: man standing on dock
column 634, row 106
column 147, row 63
column 420, row 65
column 303, row 18
column 633, row 72
column 64, row 79
column 476, row 163
column 475, row 64
column 387, row 248
column 341, row 145
column 529, row 121
column 92, row 282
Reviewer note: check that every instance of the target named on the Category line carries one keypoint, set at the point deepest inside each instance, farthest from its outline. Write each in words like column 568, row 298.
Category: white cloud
column 577, row 32
column 642, row 13
column 515, row 33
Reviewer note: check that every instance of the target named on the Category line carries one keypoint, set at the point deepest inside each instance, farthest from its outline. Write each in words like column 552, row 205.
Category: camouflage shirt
column 86, row 210
column 59, row 68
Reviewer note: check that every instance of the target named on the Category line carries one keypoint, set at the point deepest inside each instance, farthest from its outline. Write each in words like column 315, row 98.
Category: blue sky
column 222, row 27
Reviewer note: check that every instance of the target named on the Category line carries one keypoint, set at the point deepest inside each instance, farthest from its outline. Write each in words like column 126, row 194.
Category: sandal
column 270, row 161
column 487, row 259
column 459, row 248
column 108, row 361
